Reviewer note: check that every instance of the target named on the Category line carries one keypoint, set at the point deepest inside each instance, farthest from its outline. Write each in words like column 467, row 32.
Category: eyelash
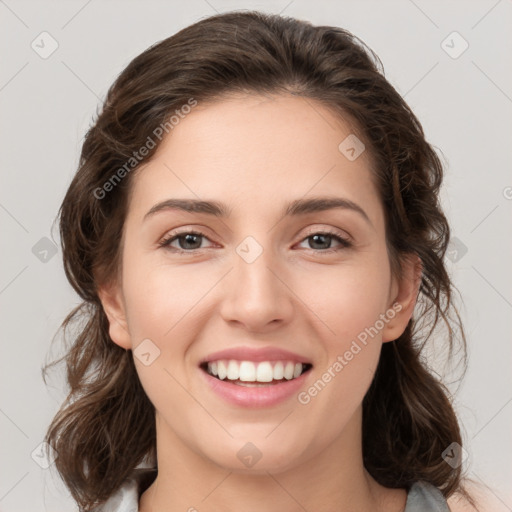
column 166, row 241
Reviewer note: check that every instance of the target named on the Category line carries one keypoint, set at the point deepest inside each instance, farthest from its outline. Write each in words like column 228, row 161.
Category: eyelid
column 345, row 242
column 329, row 231
column 173, row 235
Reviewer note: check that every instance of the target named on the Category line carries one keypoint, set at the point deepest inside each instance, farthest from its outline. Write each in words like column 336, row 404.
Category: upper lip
column 256, row 354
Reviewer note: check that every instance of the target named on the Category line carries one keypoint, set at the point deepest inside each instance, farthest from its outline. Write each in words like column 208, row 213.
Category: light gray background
column 464, row 104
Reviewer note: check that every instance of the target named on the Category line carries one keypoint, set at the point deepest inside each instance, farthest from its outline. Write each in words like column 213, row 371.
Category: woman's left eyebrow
column 297, row 207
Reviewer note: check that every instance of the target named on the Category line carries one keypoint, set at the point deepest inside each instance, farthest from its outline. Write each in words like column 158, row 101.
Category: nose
column 257, row 295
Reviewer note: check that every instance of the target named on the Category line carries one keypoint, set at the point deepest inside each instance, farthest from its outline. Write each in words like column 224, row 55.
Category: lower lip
column 261, row 396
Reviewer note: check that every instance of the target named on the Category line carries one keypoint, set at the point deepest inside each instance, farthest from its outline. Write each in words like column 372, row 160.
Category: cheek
column 351, row 310
column 162, row 304
column 160, row 297
column 348, row 298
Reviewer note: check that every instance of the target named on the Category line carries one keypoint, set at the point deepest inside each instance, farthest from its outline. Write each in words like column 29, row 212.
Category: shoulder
column 478, row 496
column 458, row 504
column 471, row 497
column 423, row 496
column 483, row 501
column 126, row 497
column 461, row 504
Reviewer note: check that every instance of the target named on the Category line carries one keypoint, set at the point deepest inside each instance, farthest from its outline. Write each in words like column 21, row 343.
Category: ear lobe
column 404, row 301
column 113, row 305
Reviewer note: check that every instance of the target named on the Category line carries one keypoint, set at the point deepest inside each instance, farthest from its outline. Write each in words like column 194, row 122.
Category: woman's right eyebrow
column 295, row 208
column 190, row 205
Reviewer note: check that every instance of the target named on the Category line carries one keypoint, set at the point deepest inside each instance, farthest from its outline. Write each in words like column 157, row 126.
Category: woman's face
column 260, row 281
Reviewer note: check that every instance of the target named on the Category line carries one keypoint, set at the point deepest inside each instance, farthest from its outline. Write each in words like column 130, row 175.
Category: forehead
column 251, row 151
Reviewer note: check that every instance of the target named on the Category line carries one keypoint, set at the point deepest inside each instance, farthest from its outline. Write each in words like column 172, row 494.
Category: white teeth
column 288, row 371
column 222, row 370
column 248, row 371
column 279, row 370
column 233, row 370
column 264, row 372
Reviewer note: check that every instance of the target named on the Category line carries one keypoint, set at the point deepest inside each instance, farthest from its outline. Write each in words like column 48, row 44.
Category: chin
column 258, row 455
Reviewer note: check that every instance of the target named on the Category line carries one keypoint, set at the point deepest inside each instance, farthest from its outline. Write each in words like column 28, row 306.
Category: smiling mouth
column 255, row 374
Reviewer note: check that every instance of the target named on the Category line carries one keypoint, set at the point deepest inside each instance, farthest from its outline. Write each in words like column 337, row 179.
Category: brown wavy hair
column 106, row 426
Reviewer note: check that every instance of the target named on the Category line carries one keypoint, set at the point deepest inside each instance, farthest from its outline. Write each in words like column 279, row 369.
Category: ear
column 115, row 309
column 403, row 296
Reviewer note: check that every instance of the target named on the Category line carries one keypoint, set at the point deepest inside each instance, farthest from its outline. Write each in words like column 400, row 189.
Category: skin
column 256, row 154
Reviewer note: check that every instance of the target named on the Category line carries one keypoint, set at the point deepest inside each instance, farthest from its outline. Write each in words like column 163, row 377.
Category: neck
column 334, row 479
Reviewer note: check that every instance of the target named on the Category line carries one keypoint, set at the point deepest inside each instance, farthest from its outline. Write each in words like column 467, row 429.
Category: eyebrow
column 295, row 208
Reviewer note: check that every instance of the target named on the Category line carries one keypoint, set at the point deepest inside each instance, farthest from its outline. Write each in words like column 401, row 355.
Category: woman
column 256, row 234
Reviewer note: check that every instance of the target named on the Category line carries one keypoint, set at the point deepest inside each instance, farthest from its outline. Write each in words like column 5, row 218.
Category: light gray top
column 422, row 496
